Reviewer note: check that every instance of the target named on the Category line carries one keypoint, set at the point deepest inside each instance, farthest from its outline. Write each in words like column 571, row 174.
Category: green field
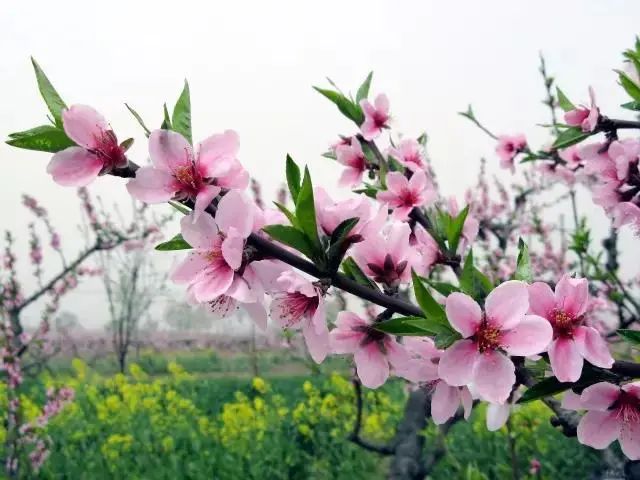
column 174, row 418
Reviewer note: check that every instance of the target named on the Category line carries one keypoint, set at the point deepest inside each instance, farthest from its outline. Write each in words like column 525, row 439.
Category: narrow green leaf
column 353, row 271
column 340, row 242
column 137, row 116
column 548, row 387
column 454, row 229
column 288, row 213
column 346, row 106
column 563, row 102
column 293, row 178
column 405, row 326
column 291, row 237
column 446, row 339
column 176, row 243
column 569, row 137
column 181, row 118
column 443, row 288
column 473, row 282
column 341, row 232
column 363, row 91
column 432, row 309
column 45, row 138
column 166, row 122
column 54, row 102
column 306, row 210
column 180, row 207
column 635, row 106
column 630, row 336
column 126, row 144
column 524, row 271
column 631, row 87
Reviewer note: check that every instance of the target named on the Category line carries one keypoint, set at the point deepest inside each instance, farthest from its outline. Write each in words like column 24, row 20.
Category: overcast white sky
column 251, row 66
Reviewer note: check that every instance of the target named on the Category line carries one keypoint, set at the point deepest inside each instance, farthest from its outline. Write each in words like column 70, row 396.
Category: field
column 202, row 415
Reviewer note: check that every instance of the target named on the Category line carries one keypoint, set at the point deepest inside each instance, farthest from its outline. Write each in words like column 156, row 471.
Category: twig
column 354, row 436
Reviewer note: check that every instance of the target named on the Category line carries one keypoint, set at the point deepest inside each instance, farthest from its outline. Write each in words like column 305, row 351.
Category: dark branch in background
column 354, row 436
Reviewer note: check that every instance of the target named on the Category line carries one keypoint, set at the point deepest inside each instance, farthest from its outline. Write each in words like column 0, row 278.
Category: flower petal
column 257, row 313
column 84, row 125
column 235, row 211
column 630, row 439
column 213, row 284
column 592, row 347
column 371, row 365
column 572, row 295
column 566, row 361
column 204, row 198
column 494, row 376
column 169, row 150
column 218, row 152
column 507, row 304
column 463, row 313
column 317, row 341
column 232, row 248
column 151, row 185
column 497, row 415
column 599, row 396
column 457, row 362
column 189, row 269
column 74, row 167
column 530, row 337
column 541, row 299
column 598, row 429
column 444, row 402
column 202, row 233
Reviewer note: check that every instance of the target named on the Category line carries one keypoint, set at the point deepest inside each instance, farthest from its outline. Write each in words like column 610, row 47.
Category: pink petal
column 566, row 361
column 571, row 401
column 202, row 233
column 463, row 313
column 572, row 295
column 236, row 178
column 382, row 103
column 319, row 318
column 190, row 268
column 418, row 181
column 204, row 198
column 396, row 182
column 217, row 153
column 630, row 439
column 599, row 396
column 243, row 290
column 151, row 185
column 592, row 347
column 541, row 299
column 169, row 150
column 235, row 210
column 345, row 338
column 232, row 248
column 444, row 403
column 214, row 284
column 457, row 362
column 74, row 167
column 350, row 177
column 398, row 241
column 268, row 272
column 497, row 415
column 369, row 130
column 530, row 337
column 317, row 341
column 507, row 304
column 467, row 401
column 257, row 313
column 397, row 354
column 371, row 365
column 598, row 429
column 84, row 125
column 494, row 376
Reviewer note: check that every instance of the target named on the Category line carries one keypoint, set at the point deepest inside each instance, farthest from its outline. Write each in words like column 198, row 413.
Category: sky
column 251, row 66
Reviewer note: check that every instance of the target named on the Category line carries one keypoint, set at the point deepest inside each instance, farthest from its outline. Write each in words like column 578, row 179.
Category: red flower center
column 107, row 149
column 487, row 337
column 296, row 306
column 563, row 324
column 628, row 407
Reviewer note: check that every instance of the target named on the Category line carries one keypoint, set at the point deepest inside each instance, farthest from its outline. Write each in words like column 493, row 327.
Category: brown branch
column 354, row 436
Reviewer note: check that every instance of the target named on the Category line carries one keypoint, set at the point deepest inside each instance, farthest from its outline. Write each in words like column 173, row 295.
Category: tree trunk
column 407, row 463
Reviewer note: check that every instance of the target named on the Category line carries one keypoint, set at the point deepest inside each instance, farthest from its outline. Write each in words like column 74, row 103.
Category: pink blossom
column 300, row 304
column 409, row 154
column 572, row 340
column 330, row 213
column 508, row 147
column 387, row 256
column 504, row 326
column 97, row 152
column 613, row 414
column 352, row 157
column 571, row 155
column 376, row 116
column 179, row 174
column 584, row 117
column 427, row 249
column 534, row 466
column 374, row 352
column 404, row 194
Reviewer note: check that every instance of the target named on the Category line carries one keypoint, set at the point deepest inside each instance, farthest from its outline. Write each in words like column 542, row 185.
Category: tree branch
column 354, row 436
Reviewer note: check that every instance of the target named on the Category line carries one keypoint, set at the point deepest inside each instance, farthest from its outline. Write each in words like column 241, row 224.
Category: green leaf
column 166, row 122
column 631, row 87
column 180, row 207
column 306, row 210
column 176, row 243
column 353, row 271
column 443, row 288
column 635, row 106
column 473, row 282
column 339, row 242
column 346, row 106
column 288, row 213
column 181, row 118
column 137, row 116
column 405, row 326
column 523, row 266
column 126, row 144
column 432, row 309
column 630, row 336
column 54, row 102
column 563, row 102
column 569, row 137
column 293, row 178
column 446, row 339
column 45, row 138
column 454, row 229
column 341, row 232
column 363, row 91
column 291, row 237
